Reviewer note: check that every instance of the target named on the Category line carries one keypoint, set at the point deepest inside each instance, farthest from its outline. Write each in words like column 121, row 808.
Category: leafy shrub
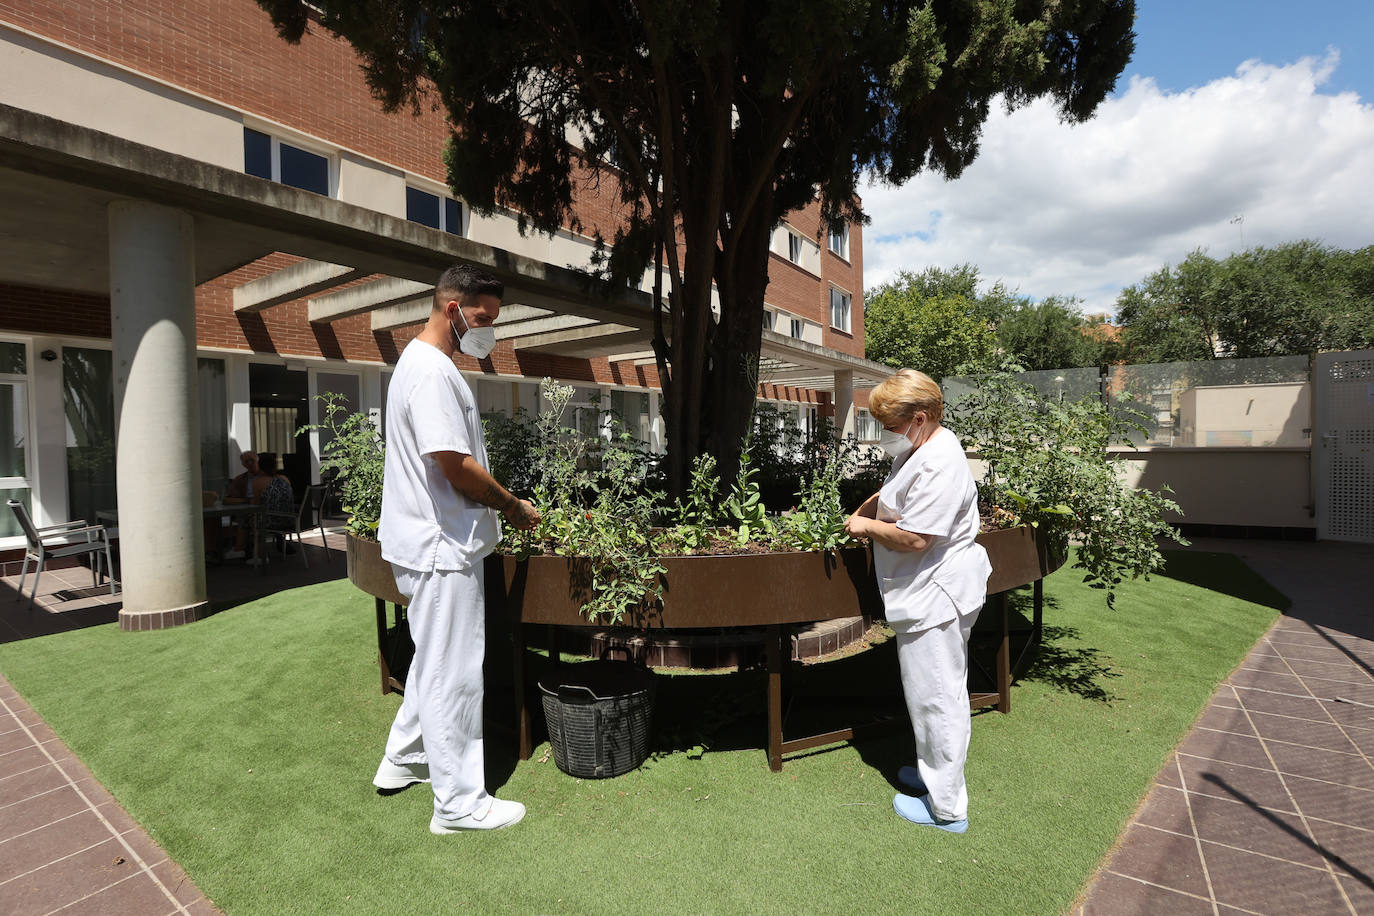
column 1047, row 465
column 356, row 451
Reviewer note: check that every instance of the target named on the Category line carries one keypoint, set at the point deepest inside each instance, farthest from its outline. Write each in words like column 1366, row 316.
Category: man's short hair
column 464, row 282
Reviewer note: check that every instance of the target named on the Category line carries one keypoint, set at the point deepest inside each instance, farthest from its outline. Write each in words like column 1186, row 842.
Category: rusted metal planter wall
column 714, row 591
column 758, row 590
column 705, row 591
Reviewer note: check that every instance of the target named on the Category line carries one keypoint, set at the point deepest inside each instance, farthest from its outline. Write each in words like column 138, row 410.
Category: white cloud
column 1086, row 209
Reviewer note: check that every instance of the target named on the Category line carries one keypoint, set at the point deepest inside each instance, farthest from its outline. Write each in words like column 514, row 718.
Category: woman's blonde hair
column 900, row 397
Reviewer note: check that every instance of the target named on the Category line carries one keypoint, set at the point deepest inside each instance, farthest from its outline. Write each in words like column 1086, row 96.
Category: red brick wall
column 40, row 311
column 227, row 50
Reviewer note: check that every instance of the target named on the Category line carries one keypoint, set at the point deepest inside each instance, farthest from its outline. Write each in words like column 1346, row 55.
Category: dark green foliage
column 1296, row 298
column 511, row 443
column 1050, row 334
column 1048, row 466
column 719, row 119
column 357, row 453
column 937, row 321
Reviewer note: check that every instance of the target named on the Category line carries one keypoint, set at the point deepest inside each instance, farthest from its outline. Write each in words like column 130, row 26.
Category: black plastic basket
column 599, row 715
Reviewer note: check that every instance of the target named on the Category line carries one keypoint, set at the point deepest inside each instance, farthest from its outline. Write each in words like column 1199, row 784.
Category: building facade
column 310, row 223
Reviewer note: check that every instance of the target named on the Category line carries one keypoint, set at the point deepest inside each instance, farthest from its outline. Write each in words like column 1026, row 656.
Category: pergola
column 88, row 212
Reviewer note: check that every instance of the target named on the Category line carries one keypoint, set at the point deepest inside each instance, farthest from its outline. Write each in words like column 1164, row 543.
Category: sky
column 1237, row 123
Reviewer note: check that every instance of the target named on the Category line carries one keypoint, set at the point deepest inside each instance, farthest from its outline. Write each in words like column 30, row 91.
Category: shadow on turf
column 1224, row 573
column 696, row 714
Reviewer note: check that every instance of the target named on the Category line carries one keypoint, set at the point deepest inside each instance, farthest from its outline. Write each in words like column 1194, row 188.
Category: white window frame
column 839, row 242
column 794, row 247
column 443, row 211
column 848, row 301
column 797, row 330
column 767, row 320
column 24, row 482
column 330, row 156
column 865, row 422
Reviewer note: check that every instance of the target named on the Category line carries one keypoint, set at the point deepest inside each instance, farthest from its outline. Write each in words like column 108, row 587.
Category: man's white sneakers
column 397, row 776
column 501, row 814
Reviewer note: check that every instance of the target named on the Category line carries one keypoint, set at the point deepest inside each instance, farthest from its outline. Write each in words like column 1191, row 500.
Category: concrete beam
column 416, row 311
column 364, row 298
column 519, row 329
column 402, row 314
column 586, row 343
column 290, row 283
column 632, row 355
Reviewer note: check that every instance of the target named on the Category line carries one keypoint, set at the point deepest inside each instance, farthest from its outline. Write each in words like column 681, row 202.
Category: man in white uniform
column 437, row 525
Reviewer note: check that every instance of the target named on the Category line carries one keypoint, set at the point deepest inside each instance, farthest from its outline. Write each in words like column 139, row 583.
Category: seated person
column 272, row 490
column 240, row 489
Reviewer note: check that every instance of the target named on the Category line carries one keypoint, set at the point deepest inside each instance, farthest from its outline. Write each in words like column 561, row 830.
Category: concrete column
column 844, row 402
column 157, row 421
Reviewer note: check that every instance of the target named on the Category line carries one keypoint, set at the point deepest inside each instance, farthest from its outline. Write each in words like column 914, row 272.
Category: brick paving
column 66, row 846
column 1267, row 806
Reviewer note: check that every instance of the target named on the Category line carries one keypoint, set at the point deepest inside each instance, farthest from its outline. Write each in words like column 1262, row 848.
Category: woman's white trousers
column 934, row 666
column 440, row 719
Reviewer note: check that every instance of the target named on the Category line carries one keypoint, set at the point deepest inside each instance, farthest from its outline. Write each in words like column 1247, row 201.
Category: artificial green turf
column 245, row 744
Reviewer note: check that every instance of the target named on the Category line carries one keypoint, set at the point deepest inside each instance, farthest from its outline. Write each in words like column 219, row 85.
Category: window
column 866, row 426
column 214, row 424
column 797, row 326
column 839, row 241
column 767, row 320
column 436, row 212
column 839, row 310
column 267, row 157
column 14, row 431
column 88, row 396
column 794, row 248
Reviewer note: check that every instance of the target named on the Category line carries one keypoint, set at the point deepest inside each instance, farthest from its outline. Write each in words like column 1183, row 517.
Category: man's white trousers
column 934, row 665
column 440, row 719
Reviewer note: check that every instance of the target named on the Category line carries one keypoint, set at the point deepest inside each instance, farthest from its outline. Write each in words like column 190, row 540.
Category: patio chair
column 309, row 515
column 67, row 539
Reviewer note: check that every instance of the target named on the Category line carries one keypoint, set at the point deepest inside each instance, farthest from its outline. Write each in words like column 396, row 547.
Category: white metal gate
column 1344, row 461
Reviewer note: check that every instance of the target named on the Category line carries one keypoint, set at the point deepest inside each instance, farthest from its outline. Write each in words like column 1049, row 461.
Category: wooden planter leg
column 524, row 729
column 1004, row 657
column 381, row 647
column 774, row 641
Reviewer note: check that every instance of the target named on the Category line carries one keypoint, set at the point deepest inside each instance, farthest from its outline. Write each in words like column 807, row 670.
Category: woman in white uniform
column 933, row 576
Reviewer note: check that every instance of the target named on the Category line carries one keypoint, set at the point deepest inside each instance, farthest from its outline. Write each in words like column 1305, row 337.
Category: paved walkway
column 1268, row 805
column 66, row 846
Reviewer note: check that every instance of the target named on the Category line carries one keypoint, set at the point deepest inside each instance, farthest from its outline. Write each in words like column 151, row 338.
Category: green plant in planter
column 357, row 453
column 745, row 503
column 818, row 521
column 598, row 513
column 1047, row 465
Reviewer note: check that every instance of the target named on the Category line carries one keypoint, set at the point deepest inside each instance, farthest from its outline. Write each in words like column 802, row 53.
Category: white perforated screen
column 1345, row 446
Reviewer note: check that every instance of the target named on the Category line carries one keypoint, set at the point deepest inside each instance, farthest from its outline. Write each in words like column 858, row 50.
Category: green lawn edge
column 245, row 743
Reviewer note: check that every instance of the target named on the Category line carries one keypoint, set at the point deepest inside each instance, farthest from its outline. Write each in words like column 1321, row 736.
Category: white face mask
column 477, row 342
column 896, row 444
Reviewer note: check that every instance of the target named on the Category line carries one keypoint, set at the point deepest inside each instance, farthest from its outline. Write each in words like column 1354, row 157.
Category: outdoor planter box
column 771, row 590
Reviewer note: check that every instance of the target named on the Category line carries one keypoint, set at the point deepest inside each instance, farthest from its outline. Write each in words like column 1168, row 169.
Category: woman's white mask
column 477, row 342
column 896, row 444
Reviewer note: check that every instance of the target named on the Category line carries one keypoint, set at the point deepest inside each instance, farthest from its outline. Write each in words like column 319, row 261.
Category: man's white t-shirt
column 932, row 492
column 426, row 524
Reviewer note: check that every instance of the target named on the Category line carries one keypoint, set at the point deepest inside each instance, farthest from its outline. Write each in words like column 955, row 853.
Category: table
column 249, row 512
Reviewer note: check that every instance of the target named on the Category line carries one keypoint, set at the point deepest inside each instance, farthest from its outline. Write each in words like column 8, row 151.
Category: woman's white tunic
column 931, row 492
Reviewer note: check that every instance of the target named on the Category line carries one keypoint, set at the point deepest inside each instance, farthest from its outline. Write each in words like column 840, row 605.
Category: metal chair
column 309, row 515
column 68, row 539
